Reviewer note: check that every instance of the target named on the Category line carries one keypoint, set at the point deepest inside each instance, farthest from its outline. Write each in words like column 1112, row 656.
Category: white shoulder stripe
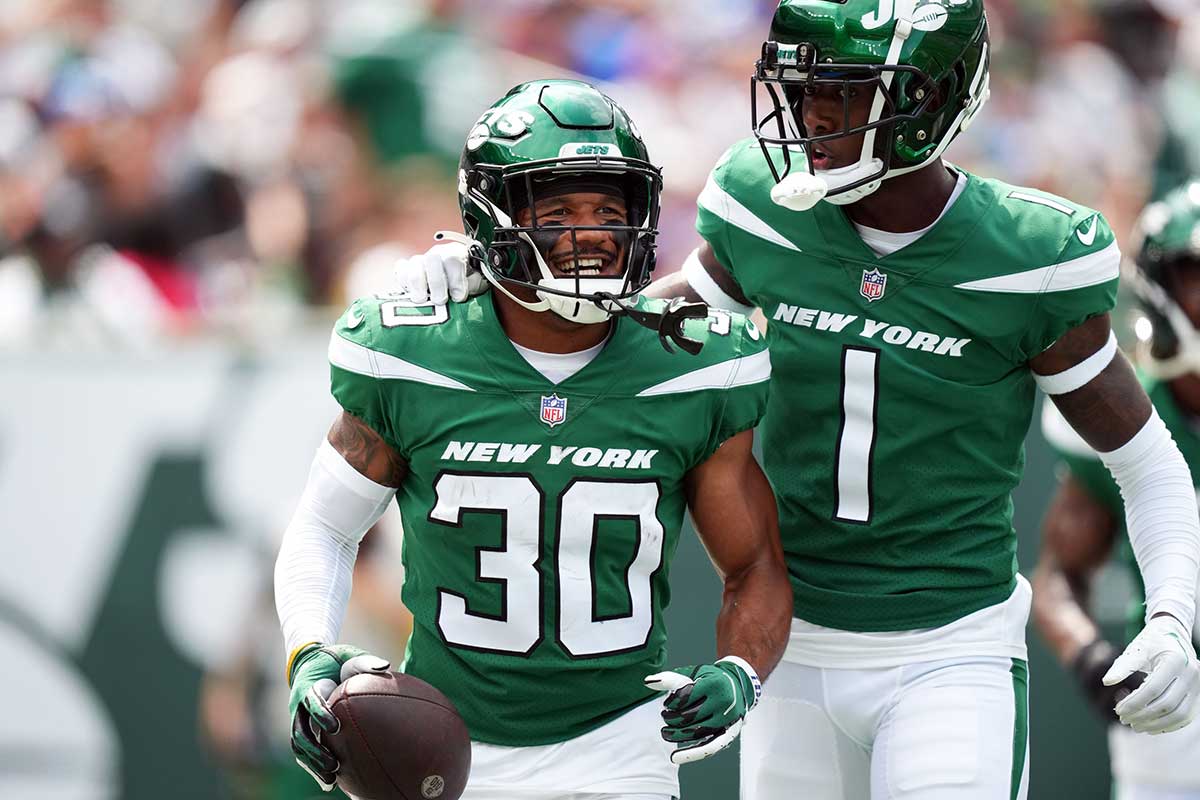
column 1043, row 201
column 1078, row 273
column 721, row 203
column 1060, row 435
column 708, row 289
column 726, row 375
column 354, row 357
column 1079, row 375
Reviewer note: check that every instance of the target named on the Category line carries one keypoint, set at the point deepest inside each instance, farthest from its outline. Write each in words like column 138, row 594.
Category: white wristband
column 745, row 667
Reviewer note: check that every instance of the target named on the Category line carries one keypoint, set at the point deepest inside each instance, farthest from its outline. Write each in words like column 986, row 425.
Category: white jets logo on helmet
column 928, row 16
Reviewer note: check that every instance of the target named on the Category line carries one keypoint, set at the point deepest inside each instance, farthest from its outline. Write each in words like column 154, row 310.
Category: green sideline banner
column 142, row 497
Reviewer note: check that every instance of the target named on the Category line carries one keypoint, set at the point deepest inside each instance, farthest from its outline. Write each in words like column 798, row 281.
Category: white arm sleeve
column 314, row 571
column 1160, row 514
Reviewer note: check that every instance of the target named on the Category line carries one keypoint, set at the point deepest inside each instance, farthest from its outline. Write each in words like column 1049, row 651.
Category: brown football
column 401, row 739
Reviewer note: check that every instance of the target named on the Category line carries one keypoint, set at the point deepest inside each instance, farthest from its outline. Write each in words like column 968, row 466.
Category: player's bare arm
column 366, row 451
column 1109, row 409
column 733, row 509
column 677, row 284
column 1097, row 392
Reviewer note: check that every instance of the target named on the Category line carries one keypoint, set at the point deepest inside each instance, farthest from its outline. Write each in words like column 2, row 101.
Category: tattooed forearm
column 366, row 451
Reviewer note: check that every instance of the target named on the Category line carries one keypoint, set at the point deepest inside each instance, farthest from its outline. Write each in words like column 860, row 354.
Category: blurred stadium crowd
column 179, row 166
column 169, row 167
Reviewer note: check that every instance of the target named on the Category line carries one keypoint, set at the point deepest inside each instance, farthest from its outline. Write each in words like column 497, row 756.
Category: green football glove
column 314, row 671
column 705, row 706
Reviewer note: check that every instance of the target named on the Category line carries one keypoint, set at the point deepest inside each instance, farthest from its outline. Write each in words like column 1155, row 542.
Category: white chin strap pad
column 584, row 312
column 801, row 191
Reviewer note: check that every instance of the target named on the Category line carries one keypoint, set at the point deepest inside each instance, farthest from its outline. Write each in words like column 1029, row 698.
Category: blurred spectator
column 174, row 167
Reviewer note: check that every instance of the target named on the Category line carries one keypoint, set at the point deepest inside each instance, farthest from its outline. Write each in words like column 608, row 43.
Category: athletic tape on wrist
column 745, row 667
column 291, row 662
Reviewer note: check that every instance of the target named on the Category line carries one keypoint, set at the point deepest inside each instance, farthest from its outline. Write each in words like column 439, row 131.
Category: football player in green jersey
column 1086, row 519
column 914, row 310
column 543, row 448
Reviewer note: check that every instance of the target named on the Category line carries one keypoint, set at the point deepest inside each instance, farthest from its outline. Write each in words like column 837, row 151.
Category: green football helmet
column 1168, row 242
column 554, row 136
column 925, row 61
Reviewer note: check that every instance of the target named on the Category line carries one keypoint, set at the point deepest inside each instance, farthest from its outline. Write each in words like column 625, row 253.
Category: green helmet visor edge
column 788, row 72
column 514, row 256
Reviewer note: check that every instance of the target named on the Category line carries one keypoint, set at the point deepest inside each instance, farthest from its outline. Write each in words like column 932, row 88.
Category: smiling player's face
column 600, row 253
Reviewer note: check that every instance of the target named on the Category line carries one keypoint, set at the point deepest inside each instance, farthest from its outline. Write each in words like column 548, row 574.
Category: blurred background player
column 1085, row 524
column 542, row 447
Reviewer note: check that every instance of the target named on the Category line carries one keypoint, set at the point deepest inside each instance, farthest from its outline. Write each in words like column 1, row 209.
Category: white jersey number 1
column 856, row 436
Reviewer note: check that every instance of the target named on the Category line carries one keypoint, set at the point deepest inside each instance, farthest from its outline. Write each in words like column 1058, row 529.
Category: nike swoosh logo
column 353, row 320
column 1086, row 239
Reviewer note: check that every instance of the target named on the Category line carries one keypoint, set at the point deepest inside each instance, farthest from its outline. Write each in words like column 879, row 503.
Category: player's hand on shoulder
column 705, row 705
column 441, row 274
column 314, row 673
column 1167, row 699
column 1090, row 666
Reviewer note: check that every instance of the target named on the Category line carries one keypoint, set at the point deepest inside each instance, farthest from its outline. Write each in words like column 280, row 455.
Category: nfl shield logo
column 873, row 284
column 554, row 410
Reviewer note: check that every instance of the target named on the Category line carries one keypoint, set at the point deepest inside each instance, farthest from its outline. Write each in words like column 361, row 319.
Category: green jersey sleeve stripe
column 726, row 375
column 1061, row 436
column 717, row 201
column 353, row 357
column 1078, row 273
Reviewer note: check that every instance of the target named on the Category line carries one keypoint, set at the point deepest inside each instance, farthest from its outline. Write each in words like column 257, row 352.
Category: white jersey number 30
column 520, row 502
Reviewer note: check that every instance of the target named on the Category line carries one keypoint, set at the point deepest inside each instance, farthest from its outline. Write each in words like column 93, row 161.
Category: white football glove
column 442, row 273
column 1167, row 700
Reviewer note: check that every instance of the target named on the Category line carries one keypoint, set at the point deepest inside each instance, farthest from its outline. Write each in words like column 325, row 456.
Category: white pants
column 952, row 729
column 625, row 759
column 1161, row 767
column 1125, row 790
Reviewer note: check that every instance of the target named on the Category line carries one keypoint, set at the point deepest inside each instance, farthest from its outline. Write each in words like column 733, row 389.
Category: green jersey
column 540, row 519
column 1087, row 468
column 894, row 433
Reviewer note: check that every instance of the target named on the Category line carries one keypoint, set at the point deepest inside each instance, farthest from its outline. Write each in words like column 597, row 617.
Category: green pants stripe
column 1020, row 678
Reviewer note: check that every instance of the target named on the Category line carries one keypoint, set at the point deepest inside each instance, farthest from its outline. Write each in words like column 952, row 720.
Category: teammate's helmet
column 547, row 137
column 926, row 61
column 1169, row 242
